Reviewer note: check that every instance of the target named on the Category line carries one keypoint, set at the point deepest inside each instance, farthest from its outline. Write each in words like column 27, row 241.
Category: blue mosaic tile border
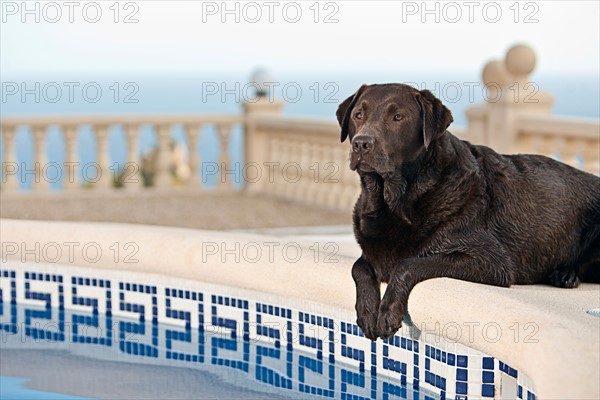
column 277, row 328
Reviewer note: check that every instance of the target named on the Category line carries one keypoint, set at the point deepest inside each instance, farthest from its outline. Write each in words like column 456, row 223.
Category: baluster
column 336, row 192
column 132, row 179
column 106, row 177
column 272, row 175
column 39, row 137
column 323, row 188
column 163, row 172
column 300, row 189
column 524, row 143
column 193, row 135
column 72, row 166
column 10, row 168
column 224, row 134
column 571, row 152
column 534, row 144
column 333, row 176
column 302, row 186
column 305, row 185
column 276, row 171
column 558, row 149
column 545, row 145
column 291, row 188
column 319, row 159
column 591, row 157
column 289, row 184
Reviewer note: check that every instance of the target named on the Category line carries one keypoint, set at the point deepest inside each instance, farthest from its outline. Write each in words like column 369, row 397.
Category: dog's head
column 389, row 125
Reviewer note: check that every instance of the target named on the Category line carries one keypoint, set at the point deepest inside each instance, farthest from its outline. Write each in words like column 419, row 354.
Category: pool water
column 15, row 388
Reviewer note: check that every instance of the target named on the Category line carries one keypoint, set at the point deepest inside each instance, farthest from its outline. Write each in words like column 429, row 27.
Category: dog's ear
column 344, row 111
column 435, row 116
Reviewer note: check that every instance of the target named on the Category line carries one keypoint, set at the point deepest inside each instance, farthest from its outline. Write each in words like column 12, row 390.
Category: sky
column 147, row 37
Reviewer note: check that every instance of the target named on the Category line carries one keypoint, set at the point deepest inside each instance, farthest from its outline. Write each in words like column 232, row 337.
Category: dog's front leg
column 368, row 297
column 403, row 278
column 486, row 269
column 394, row 303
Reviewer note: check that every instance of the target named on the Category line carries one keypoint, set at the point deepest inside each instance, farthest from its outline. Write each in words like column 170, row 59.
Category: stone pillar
column 477, row 117
column 71, row 178
column 256, row 145
column 510, row 95
column 263, row 106
column 10, row 168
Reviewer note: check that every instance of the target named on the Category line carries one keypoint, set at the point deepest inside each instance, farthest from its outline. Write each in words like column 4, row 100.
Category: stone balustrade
column 573, row 141
column 300, row 159
column 14, row 171
column 294, row 159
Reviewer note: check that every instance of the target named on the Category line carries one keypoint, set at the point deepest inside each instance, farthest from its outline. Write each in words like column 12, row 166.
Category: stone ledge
column 558, row 344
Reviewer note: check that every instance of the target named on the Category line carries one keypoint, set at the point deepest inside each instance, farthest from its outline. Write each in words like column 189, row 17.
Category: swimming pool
column 106, row 333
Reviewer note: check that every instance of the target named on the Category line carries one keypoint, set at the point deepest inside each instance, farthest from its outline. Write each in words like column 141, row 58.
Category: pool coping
column 540, row 330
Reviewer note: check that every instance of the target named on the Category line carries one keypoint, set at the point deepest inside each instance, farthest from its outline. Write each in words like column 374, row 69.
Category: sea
column 305, row 95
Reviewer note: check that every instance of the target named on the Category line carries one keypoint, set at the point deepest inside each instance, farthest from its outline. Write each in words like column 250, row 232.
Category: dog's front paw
column 389, row 320
column 368, row 324
column 367, row 318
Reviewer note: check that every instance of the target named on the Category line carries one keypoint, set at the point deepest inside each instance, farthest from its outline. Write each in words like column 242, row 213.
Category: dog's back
column 546, row 213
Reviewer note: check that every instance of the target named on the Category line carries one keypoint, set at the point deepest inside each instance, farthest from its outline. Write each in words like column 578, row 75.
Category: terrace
column 294, row 173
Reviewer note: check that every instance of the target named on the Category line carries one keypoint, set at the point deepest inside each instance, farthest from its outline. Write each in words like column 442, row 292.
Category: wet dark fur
column 435, row 206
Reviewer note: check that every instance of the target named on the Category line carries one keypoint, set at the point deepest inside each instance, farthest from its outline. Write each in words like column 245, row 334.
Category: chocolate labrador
column 433, row 206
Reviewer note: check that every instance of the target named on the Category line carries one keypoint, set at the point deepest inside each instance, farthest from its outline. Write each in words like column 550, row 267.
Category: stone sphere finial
column 495, row 74
column 520, row 60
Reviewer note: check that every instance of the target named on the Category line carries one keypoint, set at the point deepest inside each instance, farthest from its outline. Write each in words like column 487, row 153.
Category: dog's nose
column 362, row 144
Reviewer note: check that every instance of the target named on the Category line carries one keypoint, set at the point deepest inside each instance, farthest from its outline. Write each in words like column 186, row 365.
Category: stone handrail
column 574, row 141
column 69, row 125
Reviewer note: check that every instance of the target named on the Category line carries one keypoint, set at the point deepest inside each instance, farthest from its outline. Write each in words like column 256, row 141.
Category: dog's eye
column 397, row 117
column 358, row 115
